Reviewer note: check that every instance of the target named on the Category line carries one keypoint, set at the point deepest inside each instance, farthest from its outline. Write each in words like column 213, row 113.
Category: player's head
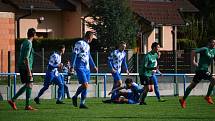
column 31, row 32
column 89, row 36
column 211, row 42
column 61, row 48
column 128, row 82
column 122, row 46
column 155, row 46
column 67, row 62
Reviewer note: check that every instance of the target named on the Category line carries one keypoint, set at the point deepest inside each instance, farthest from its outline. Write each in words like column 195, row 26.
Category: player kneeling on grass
column 53, row 76
column 130, row 97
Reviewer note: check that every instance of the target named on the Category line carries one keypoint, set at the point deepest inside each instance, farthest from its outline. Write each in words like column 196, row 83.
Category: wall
column 52, row 23
column 7, row 40
column 167, row 38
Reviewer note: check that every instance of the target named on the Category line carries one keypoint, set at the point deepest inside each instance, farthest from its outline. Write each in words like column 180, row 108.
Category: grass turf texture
column 197, row 110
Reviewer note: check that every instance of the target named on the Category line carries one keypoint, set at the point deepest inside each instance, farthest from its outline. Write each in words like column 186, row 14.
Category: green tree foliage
column 185, row 44
column 114, row 22
column 202, row 25
column 193, row 31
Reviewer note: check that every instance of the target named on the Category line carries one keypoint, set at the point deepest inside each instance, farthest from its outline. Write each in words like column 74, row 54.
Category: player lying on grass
column 130, row 96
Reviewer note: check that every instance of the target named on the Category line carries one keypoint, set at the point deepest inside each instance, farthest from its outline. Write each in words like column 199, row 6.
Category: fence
column 11, row 89
column 166, row 62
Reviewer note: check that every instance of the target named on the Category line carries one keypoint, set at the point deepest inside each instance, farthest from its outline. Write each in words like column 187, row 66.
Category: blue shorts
column 83, row 75
column 52, row 78
column 116, row 76
column 132, row 99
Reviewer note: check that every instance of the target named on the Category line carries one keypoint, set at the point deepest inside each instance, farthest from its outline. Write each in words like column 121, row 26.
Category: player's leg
column 66, row 91
column 117, row 83
column 84, row 92
column 29, row 86
column 58, row 80
column 144, row 81
column 156, row 88
column 48, row 80
column 210, row 89
column 23, row 76
column 81, row 78
column 196, row 79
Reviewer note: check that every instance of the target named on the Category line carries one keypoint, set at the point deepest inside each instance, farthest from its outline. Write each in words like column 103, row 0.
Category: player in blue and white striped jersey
column 81, row 62
column 53, row 76
column 116, row 59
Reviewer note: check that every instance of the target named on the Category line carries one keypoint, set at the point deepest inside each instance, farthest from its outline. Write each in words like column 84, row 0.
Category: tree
column 114, row 22
column 205, row 19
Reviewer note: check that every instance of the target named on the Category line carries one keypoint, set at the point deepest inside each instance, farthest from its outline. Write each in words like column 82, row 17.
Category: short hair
column 128, row 80
column 210, row 39
column 60, row 47
column 31, row 32
column 122, row 43
column 88, row 33
column 154, row 44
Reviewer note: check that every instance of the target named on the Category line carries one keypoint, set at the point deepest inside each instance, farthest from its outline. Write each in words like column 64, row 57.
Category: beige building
column 64, row 19
column 50, row 18
column 159, row 20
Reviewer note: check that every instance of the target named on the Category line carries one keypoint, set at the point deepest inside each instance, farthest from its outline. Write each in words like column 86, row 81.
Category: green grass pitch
column 197, row 110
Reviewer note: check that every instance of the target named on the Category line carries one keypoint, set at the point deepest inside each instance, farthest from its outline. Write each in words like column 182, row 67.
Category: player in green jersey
column 149, row 64
column 25, row 63
column 207, row 54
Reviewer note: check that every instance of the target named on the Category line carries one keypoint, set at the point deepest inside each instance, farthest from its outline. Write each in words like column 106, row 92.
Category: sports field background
column 197, row 110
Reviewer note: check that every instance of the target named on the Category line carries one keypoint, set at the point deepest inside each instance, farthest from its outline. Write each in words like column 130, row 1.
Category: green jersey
column 206, row 56
column 26, row 51
column 149, row 64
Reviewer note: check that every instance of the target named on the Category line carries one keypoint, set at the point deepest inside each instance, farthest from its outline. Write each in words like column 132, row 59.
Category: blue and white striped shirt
column 116, row 59
column 81, row 57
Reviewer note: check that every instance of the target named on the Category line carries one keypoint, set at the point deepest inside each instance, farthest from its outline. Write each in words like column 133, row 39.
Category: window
column 159, row 35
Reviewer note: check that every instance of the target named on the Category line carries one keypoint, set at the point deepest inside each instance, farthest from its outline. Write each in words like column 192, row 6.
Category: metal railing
column 12, row 88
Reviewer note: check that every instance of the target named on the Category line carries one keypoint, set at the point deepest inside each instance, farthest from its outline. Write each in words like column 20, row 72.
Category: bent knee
column 85, row 85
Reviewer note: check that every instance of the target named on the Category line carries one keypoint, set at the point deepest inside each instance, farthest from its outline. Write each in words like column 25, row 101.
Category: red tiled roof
column 185, row 6
column 43, row 4
column 164, row 13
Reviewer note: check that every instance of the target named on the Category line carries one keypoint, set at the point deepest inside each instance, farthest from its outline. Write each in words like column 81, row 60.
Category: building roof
column 164, row 13
column 56, row 5
column 4, row 7
column 185, row 6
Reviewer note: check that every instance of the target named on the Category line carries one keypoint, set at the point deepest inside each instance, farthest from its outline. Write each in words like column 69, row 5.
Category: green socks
column 21, row 90
column 28, row 95
column 187, row 92
column 210, row 89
